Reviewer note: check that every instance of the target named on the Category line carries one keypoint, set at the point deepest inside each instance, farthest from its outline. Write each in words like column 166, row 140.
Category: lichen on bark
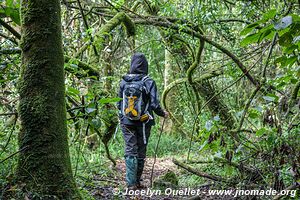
column 44, row 164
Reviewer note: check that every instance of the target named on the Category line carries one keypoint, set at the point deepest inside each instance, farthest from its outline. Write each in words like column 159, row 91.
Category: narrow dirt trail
column 113, row 187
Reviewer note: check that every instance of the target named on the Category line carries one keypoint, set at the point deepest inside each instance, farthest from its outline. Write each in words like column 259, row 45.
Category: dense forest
column 227, row 73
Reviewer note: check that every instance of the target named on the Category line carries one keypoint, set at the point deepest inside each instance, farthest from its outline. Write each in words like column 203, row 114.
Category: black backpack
column 133, row 104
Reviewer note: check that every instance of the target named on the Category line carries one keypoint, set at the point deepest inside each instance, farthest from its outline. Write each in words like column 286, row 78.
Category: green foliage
column 286, row 27
column 109, row 100
column 11, row 9
column 268, row 139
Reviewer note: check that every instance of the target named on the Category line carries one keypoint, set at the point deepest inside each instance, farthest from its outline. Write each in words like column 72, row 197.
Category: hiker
column 139, row 99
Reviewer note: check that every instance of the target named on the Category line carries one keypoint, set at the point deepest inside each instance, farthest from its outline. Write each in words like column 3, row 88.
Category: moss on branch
column 196, row 62
column 120, row 18
column 205, row 76
column 90, row 70
column 192, row 68
column 190, row 31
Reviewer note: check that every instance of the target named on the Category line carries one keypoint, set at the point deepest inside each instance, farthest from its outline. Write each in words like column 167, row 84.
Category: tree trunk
column 216, row 104
column 44, row 163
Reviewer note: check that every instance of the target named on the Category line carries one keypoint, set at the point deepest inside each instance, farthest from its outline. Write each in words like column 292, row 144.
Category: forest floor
column 114, row 187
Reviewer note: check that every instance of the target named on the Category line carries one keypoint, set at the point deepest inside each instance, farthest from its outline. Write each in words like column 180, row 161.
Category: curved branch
column 199, row 173
column 215, row 95
column 188, row 46
column 136, row 4
column 119, row 18
column 10, row 29
column 196, row 62
column 190, row 31
column 91, row 71
column 205, row 76
column 269, row 55
column 192, row 68
column 9, row 38
column 10, row 51
column 247, row 105
column 227, row 20
column 170, row 23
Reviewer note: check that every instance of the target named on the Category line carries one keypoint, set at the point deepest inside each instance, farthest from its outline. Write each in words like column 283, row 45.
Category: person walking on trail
column 139, row 100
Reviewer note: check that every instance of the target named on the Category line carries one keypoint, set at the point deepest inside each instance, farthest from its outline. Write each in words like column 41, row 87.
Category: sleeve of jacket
column 154, row 100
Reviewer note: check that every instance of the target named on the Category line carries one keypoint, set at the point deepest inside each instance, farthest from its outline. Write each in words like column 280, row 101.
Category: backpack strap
column 144, row 79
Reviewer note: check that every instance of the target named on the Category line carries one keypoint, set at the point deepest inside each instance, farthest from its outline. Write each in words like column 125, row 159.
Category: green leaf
column 249, row 28
column 13, row 13
column 261, row 131
column 294, row 80
column 95, row 123
column 250, row 39
column 15, row 16
column 73, row 91
column 74, row 66
column 269, row 15
column 203, row 145
column 269, row 27
column 9, row 3
column 271, row 139
column 286, row 39
column 109, row 100
column 282, row 81
column 90, row 110
column 296, row 18
column 119, row 3
column 270, row 36
column 264, row 35
column 283, row 23
column 271, row 97
column 93, row 77
column 281, row 60
column 290, row 49
column 214, row 146
column 290, row 61
column 253, row 114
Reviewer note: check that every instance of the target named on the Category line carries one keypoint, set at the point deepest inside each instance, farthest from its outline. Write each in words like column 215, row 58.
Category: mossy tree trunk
column 216, row 105
column 44, row 162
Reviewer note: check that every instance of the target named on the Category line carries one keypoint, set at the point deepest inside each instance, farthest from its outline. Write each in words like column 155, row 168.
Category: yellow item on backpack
column 131, row 106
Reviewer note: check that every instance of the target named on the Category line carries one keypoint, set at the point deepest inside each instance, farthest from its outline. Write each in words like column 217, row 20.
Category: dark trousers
column 134, row 142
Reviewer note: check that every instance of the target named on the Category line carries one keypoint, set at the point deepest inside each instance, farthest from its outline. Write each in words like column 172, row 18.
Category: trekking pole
column 155, row 152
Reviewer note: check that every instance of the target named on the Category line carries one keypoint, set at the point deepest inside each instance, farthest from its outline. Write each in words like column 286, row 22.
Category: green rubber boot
column 140, row 168
column 131, row 170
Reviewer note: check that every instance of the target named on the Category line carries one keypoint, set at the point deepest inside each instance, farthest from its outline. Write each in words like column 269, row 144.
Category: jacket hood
column 139, row 64
column 133, row 77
